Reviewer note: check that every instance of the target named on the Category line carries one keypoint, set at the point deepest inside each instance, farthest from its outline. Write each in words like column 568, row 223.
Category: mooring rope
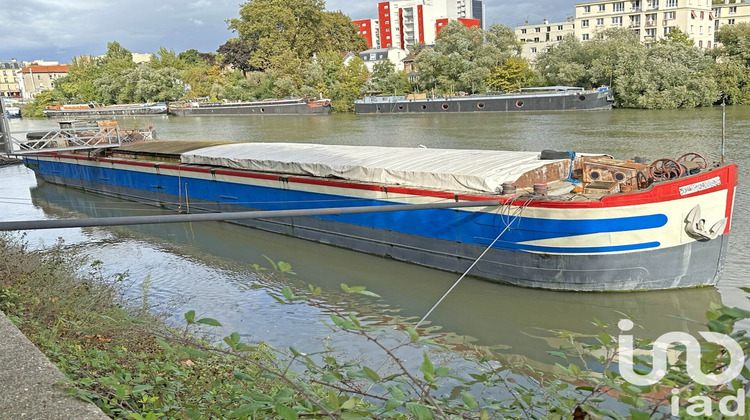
column 508, row 224
column 476, row 261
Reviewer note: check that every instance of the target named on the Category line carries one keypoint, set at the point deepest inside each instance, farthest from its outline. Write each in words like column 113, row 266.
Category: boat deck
column 465, row 172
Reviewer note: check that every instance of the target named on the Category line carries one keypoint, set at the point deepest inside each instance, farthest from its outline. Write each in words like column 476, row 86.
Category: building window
column 559, row 38
column 730, row 21
column 536, row 39
column 585, row 23
column 617, row 21
column 559, row 27
column 364, row 32
column 709, row 44
column 386, row 15
column 387, row 22
column 586, row 9
column 669, row 15
column 537, row 29
column 651, row 32
column 653, row 4
column 668, row 29
column 733, row 9
column 671, row 3
column 702, row 15
column 387, row 29
column 600, row 22
column 385, row 7
column 523, row 31
column 602, row 7
column 700, row 44
column 533, row 50
column 585, row 37
column 618, row 7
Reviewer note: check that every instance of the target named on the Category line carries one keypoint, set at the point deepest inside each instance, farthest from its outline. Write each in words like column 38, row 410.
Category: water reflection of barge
column 554, row 98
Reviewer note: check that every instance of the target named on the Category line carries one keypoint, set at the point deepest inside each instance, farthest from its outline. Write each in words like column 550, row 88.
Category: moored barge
column 93, row 110
column 553, row 98
column 268, row 107
column 560, row 221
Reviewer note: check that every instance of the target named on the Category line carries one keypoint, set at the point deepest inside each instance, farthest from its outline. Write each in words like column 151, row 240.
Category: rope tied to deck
column 508, row 224
column 570, row 171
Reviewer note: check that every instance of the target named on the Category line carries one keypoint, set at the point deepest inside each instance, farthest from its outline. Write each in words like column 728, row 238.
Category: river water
column 209, row 266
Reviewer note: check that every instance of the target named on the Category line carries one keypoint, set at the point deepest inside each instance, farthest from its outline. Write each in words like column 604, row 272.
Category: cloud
column 59, row 30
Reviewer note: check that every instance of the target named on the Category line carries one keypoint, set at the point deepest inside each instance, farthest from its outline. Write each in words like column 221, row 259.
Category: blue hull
column 444, row 239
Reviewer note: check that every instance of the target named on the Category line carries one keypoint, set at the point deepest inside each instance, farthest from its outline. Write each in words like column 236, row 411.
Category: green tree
column 272, row 27
column 733, row 81
column 676, row 35
column 296, row 30
column 166, row 58
column 514, row 74
column 463, row 58
column 191, row 57
column 669, row 75
column 565, row 63
column 35, row 108
column 386, row 79
column 342, row 34
column 349, row 85
column 147, row 84
column 735, row 42
column 80, row 83
column 200, row 78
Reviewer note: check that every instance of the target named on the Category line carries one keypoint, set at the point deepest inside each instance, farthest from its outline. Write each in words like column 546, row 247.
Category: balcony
column 650, row 24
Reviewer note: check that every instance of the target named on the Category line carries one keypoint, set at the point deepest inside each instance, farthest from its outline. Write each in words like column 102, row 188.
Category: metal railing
column 89, row 136
column 68, row 139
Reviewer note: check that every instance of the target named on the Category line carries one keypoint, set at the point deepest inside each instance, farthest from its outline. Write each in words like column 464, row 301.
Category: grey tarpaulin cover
column 441, row 169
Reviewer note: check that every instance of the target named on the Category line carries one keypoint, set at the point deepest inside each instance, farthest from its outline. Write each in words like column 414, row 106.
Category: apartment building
column 9, row 79
column 40, row 78
column 370, row 29
column 731, row 12
column 405, row 23
column 651, row 20
column 536, row 39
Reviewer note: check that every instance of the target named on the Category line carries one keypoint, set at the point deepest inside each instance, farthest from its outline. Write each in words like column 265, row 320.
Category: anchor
column 696, row 227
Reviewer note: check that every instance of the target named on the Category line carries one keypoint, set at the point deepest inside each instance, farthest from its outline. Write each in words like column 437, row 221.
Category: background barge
column 556, row 98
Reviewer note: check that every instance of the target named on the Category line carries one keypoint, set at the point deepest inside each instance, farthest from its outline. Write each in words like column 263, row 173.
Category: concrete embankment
column 30, row 384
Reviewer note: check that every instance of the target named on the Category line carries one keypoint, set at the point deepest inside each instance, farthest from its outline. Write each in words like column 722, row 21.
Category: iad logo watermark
column 701, row 405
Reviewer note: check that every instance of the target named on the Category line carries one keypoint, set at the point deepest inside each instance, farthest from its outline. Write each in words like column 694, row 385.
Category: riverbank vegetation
column 296, row 48
column 121, row 357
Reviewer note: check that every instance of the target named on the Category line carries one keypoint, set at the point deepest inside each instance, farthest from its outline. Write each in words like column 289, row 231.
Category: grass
column 115, row 353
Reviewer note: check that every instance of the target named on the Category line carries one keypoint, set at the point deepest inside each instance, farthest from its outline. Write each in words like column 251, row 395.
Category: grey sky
column 59, row 30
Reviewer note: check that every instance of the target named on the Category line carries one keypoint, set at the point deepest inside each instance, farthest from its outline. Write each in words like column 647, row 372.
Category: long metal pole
column 243, row 215
column 5, row 139
column 723, row 129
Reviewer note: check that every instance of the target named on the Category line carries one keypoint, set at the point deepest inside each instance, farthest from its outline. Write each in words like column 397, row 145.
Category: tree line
column 294, row 48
